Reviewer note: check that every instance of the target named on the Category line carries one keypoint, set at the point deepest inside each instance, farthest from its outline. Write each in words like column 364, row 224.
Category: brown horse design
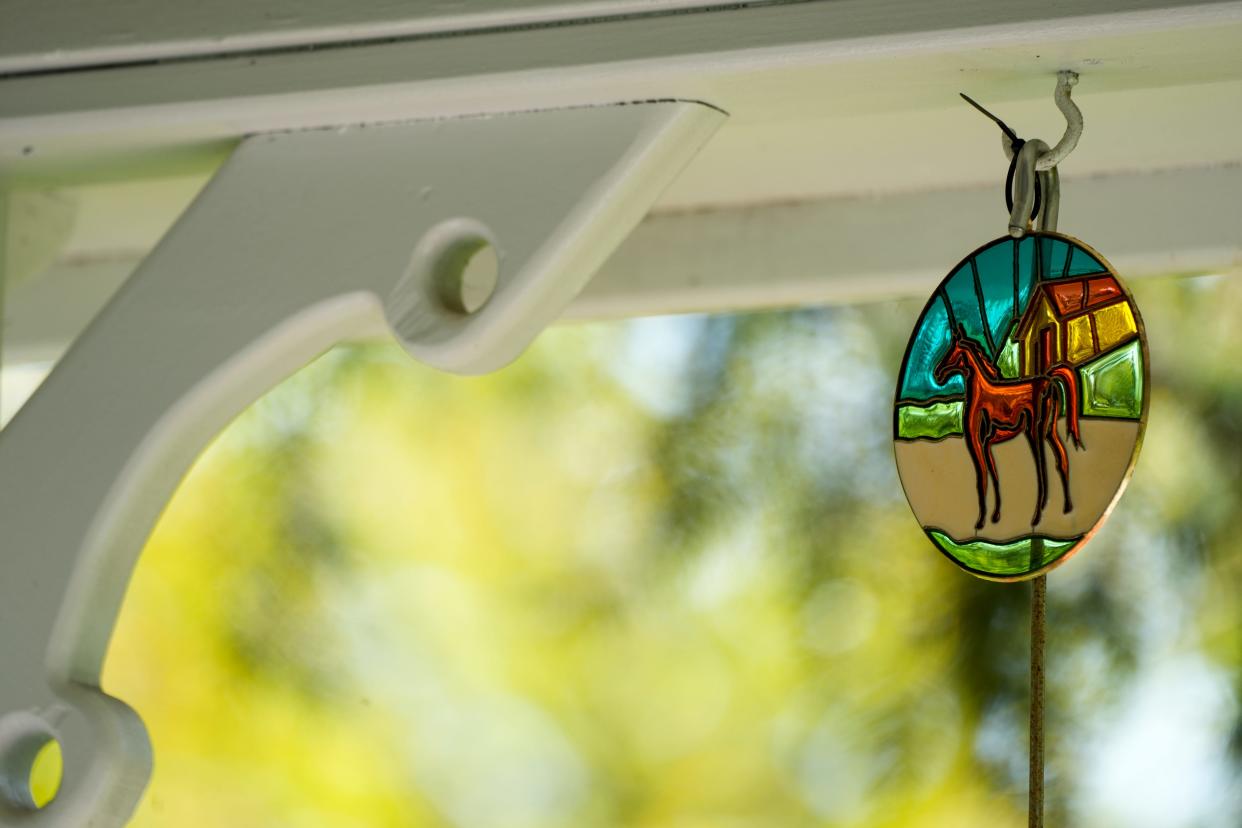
column 997, row 409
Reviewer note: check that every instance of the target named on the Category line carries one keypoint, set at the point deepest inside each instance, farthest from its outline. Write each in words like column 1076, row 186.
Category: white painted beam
column 760, row 62
column 844, row 125
column 826, row 98
column 43, row 35
column 738, row 258
column 867, row 249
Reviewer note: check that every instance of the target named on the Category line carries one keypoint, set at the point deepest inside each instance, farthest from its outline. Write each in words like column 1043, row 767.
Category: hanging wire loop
column 1025, row 186
column 1033, row 195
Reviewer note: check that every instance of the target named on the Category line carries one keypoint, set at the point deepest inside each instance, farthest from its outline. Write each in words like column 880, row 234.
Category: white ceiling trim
column 850, row 249
column 55, row 35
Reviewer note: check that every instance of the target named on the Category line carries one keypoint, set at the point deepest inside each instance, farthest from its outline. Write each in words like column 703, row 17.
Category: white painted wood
column 70, row 248
column 857, row 105
column 300, row 240
column 789, row 254
column 56, row 34
column 844, row 130
column 831, row 98
column 899, row 246
column 41, row 35
column 5, row 245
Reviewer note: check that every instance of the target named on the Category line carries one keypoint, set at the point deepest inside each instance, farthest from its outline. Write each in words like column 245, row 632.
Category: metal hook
column 1066, row 80
column 1073, row 123
column 1033, row 168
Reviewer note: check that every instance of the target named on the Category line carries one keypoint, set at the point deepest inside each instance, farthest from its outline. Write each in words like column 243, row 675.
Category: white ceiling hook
column 1066, row 79
column 1035, row 164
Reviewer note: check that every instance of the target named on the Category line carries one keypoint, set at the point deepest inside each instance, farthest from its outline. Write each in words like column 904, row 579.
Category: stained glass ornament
column 1021, row 404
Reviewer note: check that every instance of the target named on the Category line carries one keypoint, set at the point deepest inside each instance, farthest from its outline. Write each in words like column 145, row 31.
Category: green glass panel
column 1112, row 385
column 1007, row 362
column 1016, row 558
column 932, row 421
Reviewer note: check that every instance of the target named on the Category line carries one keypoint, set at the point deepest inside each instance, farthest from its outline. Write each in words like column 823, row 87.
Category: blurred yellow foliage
column 616, row 584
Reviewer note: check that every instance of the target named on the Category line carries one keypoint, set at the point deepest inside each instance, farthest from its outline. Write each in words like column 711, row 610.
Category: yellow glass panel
column 1039, row 318
column 1081, row 348
column 1113, row 324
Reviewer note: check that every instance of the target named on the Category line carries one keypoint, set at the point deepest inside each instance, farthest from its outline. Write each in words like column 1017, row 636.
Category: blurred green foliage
column 661, row 573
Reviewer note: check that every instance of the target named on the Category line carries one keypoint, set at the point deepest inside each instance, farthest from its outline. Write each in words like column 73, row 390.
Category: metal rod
column 1039, row 587
column 1050, row 209
column 1035, row 803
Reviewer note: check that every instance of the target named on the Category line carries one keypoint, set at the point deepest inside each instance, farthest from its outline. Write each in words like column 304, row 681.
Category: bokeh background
column 661, row 573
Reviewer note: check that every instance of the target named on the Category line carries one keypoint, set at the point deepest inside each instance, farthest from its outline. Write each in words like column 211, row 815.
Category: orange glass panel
column 1100, row 291
column 1068, row 296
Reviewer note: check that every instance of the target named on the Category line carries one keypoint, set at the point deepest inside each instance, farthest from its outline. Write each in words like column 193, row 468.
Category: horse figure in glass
column 996, row 409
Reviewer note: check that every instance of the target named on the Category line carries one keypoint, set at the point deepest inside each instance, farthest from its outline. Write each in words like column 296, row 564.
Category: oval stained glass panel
column 1020, row 404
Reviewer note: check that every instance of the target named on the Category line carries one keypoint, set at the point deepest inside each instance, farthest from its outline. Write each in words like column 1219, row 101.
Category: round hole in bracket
column 465, row 272
column 31, row 762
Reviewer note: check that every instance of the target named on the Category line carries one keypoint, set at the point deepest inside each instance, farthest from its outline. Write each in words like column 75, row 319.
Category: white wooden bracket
column 303, row 239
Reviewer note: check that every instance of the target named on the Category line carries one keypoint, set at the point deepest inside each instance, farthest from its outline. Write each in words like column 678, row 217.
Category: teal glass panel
column 931, row 421
column 988, row 309
column 1081, row 263
column 999, row 278
column 926, row 347
column 1004, row 559
column 968, row 311
column 1112, row 385
column 1053, row 256
column 1024, row 269
column 996, row 290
